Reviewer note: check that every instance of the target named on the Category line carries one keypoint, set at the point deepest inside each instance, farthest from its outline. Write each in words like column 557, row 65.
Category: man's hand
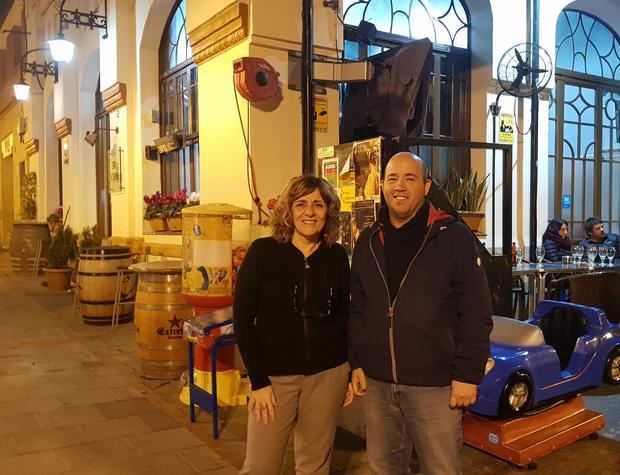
column 263, row 404
column 462, row 394
column 358, row 380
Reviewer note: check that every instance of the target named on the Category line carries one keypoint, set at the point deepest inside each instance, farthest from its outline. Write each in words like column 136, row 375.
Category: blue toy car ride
column 561, row 351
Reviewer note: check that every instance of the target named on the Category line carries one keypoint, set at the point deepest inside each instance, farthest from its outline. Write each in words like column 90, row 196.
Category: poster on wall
column 354, row 169
column 114, row 169
column 320, row 114
column 329, row 171
column 506, row 127
column 367, row 163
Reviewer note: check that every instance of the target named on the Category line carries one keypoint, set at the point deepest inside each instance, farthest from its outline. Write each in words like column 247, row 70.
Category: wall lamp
column 91, row 137
column 22, row 89
column 62, row 49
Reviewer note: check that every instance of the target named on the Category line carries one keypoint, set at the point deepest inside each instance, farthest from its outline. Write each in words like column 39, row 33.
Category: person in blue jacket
column 596, row 236
column 419, row 325
column 556, row 241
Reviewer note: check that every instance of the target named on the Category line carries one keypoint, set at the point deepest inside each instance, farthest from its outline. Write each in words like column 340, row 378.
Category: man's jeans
column 399, row 417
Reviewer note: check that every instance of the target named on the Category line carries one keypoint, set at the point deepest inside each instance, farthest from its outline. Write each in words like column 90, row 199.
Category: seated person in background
column 596, row 236
column 556, row 241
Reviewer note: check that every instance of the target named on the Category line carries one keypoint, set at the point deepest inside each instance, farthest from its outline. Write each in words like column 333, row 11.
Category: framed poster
column 114, row 169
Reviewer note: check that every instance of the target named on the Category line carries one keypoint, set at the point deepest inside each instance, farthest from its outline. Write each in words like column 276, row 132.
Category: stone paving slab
column 73, row 401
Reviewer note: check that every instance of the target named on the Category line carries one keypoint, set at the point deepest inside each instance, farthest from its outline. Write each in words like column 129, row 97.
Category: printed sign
column 506, row 127
column 566, row 201
column 329, row 171
column 320, row 114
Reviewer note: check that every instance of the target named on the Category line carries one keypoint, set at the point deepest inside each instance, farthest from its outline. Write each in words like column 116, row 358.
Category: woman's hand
column 263, row 404
column 348, row 396
column 358, row 380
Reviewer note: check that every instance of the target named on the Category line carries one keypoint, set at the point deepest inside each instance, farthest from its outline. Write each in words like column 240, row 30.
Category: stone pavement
column 73, row 401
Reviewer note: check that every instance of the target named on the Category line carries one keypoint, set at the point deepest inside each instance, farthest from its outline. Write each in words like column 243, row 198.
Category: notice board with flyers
column 354, row 170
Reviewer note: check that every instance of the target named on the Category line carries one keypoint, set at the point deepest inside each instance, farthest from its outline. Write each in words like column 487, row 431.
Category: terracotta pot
column 58, row 279
column 158, row 224
column 174, row 223
column 472, row 219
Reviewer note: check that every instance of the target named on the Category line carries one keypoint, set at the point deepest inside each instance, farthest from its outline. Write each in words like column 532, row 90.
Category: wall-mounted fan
column 524, row 70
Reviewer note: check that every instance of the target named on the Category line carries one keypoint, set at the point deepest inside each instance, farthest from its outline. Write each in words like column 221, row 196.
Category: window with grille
column 584, row 128
column 446, row 24
column 178, row 98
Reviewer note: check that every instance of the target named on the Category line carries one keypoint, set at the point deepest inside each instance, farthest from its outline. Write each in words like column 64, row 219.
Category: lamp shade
column 61, row 49
column 22, row 91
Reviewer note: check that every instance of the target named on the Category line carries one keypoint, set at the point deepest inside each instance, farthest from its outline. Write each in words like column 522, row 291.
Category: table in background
column 536, row 274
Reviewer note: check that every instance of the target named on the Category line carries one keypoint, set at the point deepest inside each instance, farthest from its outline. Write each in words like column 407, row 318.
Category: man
column 420, row 319
column 596, row 236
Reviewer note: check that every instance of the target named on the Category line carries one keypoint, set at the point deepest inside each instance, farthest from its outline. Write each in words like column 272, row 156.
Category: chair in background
column 518, row 298
column 600, row 290
column 136, row 248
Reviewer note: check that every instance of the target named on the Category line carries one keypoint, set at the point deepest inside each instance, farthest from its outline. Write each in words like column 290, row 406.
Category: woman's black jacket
column 290, row 313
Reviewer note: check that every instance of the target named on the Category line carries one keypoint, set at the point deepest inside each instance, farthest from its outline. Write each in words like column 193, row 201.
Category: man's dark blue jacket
column 437, row 328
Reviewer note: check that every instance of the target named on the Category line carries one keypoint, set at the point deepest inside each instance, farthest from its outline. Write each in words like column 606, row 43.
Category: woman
column 290, row 318
column 556, row 241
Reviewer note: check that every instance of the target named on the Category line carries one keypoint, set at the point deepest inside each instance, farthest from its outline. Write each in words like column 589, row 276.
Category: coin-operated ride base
column 232, row 389
column 524, row 440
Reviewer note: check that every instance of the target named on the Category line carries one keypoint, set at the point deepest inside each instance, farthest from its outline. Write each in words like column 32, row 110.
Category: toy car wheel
column 517, row 395
column 612, row 368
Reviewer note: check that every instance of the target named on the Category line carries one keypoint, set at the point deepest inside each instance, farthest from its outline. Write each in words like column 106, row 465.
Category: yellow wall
column 274, row 125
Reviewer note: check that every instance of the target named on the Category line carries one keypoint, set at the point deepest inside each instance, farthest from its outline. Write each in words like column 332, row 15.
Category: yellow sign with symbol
column 320, row 114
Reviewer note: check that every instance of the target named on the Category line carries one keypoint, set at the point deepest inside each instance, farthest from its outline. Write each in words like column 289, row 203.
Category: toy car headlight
column 489, row 366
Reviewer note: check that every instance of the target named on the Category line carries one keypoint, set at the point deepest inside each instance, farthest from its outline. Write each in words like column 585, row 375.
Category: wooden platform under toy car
column 524, row 440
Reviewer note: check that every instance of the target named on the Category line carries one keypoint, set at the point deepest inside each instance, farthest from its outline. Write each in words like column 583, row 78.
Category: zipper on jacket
column 306, row 331
column 392, row 305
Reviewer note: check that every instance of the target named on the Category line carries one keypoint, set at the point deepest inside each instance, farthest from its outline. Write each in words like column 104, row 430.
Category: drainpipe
column 534, row 141
column 307, row 96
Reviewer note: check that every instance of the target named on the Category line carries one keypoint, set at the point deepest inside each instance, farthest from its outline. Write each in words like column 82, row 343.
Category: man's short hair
column 590, row 223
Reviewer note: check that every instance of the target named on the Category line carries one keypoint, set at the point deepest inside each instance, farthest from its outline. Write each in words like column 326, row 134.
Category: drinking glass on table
column 519, row 254
column 540, row 254
column 602, row 253
column 575, row 253
column 592, row 253
column 611, row 252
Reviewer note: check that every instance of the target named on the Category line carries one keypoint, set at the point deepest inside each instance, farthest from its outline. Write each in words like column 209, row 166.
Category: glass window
column 585, row 44
column 584, row 123
column 178, row 105
column 446, row 24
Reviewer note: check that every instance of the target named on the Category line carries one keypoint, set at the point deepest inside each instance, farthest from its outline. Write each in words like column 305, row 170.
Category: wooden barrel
column 25, row 240
column 98, row 277
column 159, row 314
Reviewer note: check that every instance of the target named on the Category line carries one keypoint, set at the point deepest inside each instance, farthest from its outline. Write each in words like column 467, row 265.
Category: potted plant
column 173, row 204
column 60, row 251
column 54, row 219
column 154, row 211
column 467, row 196
column 90, row 237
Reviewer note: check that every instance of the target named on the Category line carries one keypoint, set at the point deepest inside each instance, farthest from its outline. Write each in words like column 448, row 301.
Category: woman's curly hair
column 282, row 223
